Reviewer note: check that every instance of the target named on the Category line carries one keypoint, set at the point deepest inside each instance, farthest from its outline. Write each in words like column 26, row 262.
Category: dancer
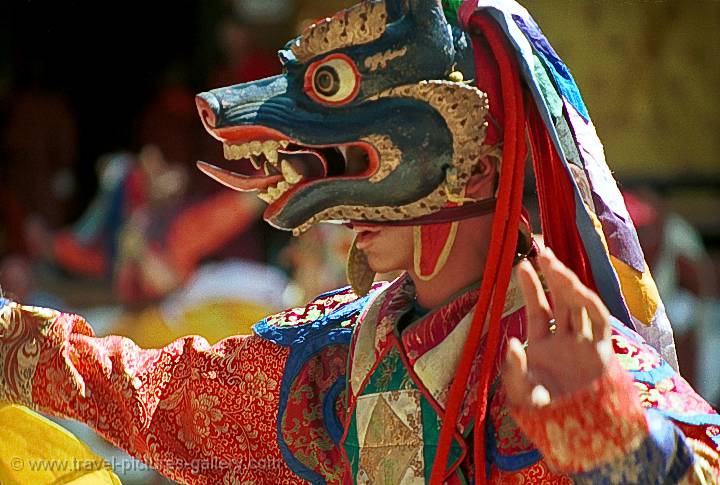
column 411, row 121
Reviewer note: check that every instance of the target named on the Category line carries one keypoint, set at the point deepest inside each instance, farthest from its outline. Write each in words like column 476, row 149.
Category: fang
column 289, row 173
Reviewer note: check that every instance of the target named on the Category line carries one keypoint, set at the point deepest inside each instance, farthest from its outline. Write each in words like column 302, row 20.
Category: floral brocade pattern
column 303, row 423
column 596, row 425
column 198, row 414
column 601, row 432
column 633, row 356
column 509, row 439
column 210, row 414
column 21, row 333
column 668, row 390
column 539, row 473
column 317, row 309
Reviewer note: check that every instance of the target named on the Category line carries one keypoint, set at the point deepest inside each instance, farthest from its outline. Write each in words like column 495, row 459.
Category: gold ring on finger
column 552, row 325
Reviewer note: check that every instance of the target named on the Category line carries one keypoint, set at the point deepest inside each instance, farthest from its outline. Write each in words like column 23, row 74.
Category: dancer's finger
column 536, row 304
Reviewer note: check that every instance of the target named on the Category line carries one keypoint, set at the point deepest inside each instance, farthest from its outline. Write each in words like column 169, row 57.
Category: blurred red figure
column 169, row 120
column 140, row 232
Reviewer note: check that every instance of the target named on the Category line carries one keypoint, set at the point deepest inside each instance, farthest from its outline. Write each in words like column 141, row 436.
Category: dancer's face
column 388, row 248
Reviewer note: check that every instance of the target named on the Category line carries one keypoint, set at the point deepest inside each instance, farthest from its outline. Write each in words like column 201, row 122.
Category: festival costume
column 272, row 408
column 358, row 387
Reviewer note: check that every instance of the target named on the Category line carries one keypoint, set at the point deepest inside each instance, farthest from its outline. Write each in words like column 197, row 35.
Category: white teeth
column 289, row 173
column 265, row 198
column 252, row 151
column 274, row 192
column 255, row 147
column 272, row 156
column 235, row 152
column 269, row 148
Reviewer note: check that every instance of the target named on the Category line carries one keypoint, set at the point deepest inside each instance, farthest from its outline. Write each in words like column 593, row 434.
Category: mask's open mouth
column 279, row 168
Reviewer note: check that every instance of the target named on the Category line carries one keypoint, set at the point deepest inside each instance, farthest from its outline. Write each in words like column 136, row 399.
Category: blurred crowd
column 149, row 248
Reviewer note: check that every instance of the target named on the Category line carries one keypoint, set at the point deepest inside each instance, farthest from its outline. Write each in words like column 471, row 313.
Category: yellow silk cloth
column 214, row 321
column 34, row 450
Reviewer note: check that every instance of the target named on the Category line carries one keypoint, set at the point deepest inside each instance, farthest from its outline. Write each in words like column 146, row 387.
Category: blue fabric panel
column 695, row 420
column 507, row 463
column 299, row 355
column 332, row 422
column 564, row 80
column 305, row 341
column 293, row 335
column 653, row 376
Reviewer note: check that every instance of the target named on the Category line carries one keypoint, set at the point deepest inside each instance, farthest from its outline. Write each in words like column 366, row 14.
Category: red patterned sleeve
column 609, row 432
column 197, row 413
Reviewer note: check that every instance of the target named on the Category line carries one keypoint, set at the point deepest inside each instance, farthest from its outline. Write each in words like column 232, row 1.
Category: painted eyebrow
column 360, row 24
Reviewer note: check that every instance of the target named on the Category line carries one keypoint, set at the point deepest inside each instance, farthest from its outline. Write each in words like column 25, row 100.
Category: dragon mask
column 365, row 123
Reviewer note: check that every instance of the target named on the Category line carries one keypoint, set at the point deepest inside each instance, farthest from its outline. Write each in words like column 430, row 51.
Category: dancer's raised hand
column 569, row 342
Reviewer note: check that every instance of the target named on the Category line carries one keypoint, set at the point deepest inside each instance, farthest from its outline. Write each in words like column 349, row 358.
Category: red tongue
column 237, row 181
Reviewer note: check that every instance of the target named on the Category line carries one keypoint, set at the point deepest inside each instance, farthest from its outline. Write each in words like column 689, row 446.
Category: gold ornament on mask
column 361, row 24
column 456, row 77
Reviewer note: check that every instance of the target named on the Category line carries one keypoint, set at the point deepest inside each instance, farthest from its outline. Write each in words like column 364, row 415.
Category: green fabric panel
column 461, row 476
column 431, row 433
column 390, row 375
column 547, row 88
column 352, row 447
column 431, row 430
column 555, row 104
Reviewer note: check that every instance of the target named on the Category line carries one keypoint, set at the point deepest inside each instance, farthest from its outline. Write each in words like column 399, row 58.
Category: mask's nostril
column 208, row 108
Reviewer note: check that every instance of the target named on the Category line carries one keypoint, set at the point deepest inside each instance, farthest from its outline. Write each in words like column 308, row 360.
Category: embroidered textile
column 21, row 337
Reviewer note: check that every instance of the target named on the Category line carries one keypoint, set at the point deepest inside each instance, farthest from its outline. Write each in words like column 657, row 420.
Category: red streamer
column 498, row 266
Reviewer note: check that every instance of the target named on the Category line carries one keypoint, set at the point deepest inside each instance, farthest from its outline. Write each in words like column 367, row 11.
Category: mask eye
column 326, row 81
column 334, row 80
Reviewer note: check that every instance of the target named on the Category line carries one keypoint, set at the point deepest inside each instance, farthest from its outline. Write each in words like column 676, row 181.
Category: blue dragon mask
column 370, row 120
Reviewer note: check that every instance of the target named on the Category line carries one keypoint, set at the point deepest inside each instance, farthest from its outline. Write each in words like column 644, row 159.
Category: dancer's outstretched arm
column 197, row 413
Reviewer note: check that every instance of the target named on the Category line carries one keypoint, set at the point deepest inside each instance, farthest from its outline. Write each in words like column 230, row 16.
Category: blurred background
column 102, row 211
